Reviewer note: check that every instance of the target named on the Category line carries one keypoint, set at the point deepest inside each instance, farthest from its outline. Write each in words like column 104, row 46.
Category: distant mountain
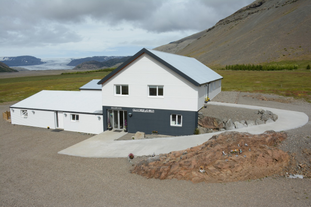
column 78, row 61
column 5, row 68
column 93, row 64
column 264, row 31
column 22, row 61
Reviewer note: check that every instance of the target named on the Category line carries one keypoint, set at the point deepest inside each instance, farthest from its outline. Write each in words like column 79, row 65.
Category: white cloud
column 78, row 27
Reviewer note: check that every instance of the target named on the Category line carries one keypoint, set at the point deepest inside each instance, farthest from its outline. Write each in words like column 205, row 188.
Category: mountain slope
column 78, row 61
column 93, row 64
column 264, row 31
column 5, row 68
column 21, row 60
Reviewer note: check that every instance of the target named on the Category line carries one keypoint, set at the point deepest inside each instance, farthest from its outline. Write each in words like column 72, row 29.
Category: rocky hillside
column 5, row 68
column 264, row 31
column 93, row 64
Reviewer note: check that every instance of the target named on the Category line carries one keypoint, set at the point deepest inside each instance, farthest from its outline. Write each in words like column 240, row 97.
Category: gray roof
column 67, row 101
column 92, row 85
column 189, row 68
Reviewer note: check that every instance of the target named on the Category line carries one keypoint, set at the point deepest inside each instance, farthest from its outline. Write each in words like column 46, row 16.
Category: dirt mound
column 230, row 156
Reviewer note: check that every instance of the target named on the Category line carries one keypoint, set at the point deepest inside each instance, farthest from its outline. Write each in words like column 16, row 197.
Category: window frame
column 24, row 113
column 74, row 117
column 157, row 90
column 120, row 87
column 176, row 121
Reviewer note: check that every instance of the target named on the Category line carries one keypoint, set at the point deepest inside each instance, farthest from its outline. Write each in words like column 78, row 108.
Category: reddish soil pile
column 230, row 156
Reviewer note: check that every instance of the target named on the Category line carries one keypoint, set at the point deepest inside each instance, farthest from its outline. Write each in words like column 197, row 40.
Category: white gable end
column 179, row 93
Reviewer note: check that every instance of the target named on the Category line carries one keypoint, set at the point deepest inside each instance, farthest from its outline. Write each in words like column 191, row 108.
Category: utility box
column 6, row 115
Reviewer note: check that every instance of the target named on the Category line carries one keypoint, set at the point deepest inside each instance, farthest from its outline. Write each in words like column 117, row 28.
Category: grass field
column 16, row 89
column 296, row 83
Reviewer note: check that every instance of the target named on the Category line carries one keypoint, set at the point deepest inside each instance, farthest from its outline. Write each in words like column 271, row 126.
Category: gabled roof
column 92, row 85
column 189, row 68
column 66, row 101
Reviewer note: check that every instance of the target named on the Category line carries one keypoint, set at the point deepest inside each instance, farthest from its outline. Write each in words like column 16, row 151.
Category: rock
column 229, row 125
column 269, row 121
column 224, row 120
column 250, row 123
column 264, row 159
column 274, row 117
column 239, row 125
column 202, row 130
column 261, row 111
column 259, row 121
column 264, row 117
column 153, row 159
column 268, row 112
column 211, row 123
column 139, row 135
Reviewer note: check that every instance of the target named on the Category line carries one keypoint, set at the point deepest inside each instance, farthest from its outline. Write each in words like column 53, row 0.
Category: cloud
column 104, row 23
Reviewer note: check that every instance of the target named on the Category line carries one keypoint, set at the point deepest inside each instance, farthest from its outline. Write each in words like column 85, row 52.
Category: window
column 24, row 113
column 176, row 120
column 156, row 91
column 122, row 89
column 74, row 117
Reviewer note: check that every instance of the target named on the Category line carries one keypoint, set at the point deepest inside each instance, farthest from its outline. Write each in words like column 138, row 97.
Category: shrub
column 308, row 67
column 261, row 67
column 196, row 131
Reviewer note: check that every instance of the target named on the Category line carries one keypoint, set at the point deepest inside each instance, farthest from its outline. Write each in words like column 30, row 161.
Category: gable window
column 176, row 120
column 122, row 89
column 74, row 117
column 156, row 90
column 24, row 113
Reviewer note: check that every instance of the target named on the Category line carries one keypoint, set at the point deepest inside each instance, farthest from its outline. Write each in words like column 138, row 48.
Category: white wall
column 41, row 119
column 179, row 94
column 214, row 89
column 88, row 123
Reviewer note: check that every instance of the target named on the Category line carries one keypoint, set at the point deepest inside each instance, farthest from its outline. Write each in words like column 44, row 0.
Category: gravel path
column 33, row 174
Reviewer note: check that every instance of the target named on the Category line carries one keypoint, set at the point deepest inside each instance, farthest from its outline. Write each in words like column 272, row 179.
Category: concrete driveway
column 104, row 146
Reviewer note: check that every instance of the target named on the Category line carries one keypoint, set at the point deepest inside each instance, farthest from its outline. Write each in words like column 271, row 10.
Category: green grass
column 16, row 89
column 296, row 83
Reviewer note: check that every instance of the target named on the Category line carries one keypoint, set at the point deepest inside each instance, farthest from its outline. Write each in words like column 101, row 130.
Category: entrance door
column 60, row 120
column 117, row 119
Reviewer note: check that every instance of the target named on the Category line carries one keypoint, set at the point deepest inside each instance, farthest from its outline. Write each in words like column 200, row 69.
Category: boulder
column 264, row 117
column 268, row 112
column 269, row 121
column 229, row 125
column 239, row 125
column 139, row 135
column 259, row 121
column 202, row 130
column 261, row 111
column 211, row 123
column 274, row 117
column 250, row 123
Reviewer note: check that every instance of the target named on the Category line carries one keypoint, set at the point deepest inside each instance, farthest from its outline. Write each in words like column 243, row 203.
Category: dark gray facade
column 149, row 120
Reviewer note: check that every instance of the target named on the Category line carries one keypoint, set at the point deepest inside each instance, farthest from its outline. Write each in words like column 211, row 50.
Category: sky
column 85, row 28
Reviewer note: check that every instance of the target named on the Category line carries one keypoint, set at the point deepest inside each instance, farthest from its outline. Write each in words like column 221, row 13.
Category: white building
column 69, row 110
column 151, row 92
column 157, row 92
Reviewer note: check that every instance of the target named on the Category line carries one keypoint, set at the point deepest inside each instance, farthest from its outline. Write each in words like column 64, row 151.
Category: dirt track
column 33, row 174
